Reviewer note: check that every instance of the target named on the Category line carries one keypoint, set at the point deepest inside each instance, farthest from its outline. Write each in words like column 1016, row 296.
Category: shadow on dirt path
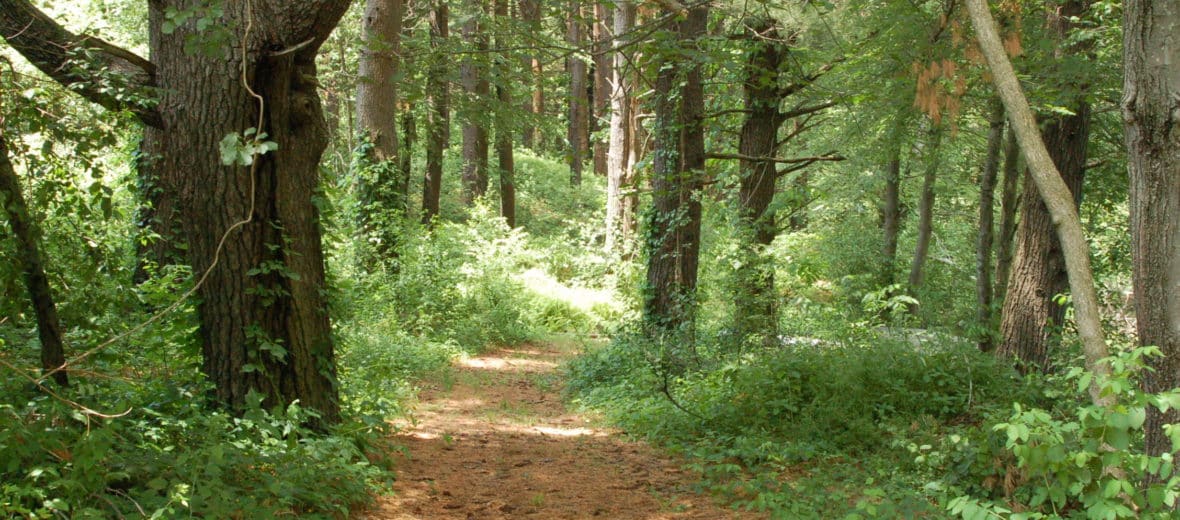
column 492, row 440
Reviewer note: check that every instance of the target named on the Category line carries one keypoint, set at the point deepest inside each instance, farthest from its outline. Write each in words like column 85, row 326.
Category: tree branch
column 103, row 73
column 779, row 160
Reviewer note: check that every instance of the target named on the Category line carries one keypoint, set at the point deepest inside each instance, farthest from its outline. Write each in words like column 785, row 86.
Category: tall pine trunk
column 475, row 131
column 579, row 109
column 619, row 173
column 504, row 152
column 438, row 112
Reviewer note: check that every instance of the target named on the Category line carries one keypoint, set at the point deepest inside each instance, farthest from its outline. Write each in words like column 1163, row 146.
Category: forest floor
column 491, row 439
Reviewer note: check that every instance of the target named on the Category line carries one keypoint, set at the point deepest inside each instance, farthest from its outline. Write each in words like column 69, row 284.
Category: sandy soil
column 492, row 440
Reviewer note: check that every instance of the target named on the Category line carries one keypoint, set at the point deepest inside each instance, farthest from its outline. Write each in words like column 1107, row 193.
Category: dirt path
column 492, row 440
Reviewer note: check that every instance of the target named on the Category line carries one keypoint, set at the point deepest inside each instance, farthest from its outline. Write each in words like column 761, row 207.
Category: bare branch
column 75, row 61
column 831, row 156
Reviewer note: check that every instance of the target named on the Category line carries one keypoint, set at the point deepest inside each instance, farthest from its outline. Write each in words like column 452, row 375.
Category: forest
column 637, row 259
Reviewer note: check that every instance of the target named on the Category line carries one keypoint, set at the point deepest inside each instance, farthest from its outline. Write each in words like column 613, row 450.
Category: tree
column 530, row 14
column 620, row 171
column 674, row 220
column 1055, row 194
column 1151, row 60
column 986, row 233
column 1009, row 204
column 253, row 230
column 475, row 84
column 438, row 112
column 504, row 127
column 1031, row 310
column 380, row 191
column 579, row 106
column 925, row 213
column 24, row 230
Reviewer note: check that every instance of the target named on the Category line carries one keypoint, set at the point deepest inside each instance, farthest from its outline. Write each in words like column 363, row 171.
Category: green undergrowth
column 882, row 428
column 810, row 431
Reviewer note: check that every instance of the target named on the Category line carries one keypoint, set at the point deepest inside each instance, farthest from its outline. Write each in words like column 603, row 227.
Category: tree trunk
column 602, row 71
column 1009, row 204
column 619, row 174
column 674, row 222
column 438, row 114
column 1151, row 111
column 925, row 215
column 530, row 13
column 379, row 186
column 409, row 135
column 28, row 254
column 754, row 311
column 475, row 132
column 1056, row 195
column 504, row 127
column 579, row 109
column 891, row 211
column 1031, row 314
column 986, row 235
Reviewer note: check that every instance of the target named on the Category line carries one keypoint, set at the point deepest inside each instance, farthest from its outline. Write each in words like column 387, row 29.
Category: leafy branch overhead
column 99, row 71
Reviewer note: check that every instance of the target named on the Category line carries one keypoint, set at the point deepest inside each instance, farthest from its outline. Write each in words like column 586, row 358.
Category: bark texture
column 1009, row 205
column 504, row 127
column 475, row 127
column 600, row 33
column 620, row 172
column 28, row 254
column 754, row 311
column 674, row 223
column 530, row 14
column 1151, row 110
column 1031, row 316
column 1054, row 193
column 380, row 191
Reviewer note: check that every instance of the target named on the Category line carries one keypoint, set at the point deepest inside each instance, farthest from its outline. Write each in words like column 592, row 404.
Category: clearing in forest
column 491, row 439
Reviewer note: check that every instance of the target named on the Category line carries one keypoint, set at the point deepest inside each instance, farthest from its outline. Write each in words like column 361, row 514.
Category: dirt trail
column 492, row 440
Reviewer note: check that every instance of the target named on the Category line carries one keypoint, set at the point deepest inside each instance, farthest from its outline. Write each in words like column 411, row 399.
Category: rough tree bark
column 1151, row 112
column 619, row 173
column 577, row 132
column 438, row 114
column 674, row 221
column 1031, row 314
column 1055, row 194
column 379, row 189
column 754, row 311
column 475, row 131
column 263, row 316
column 28, row 255
column 986, row 233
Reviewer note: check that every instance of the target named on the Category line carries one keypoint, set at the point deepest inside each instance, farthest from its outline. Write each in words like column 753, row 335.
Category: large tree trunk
column 438, row 114
column 986, row 232
column 504, row 153
column 475, row 131
column 28, row 255
column 1009, row 204
column 1031, row 314
column 619, row 174
column 754, row 311
column 1151, row 110
column 579, row 109
column 379, row 186
column 674, row 226
column 1056, row 195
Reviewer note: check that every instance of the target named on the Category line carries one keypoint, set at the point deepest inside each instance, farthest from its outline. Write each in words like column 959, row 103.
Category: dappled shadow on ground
column 492, row 440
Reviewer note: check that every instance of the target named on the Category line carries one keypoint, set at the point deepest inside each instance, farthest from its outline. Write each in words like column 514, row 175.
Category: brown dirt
column 492, row 440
